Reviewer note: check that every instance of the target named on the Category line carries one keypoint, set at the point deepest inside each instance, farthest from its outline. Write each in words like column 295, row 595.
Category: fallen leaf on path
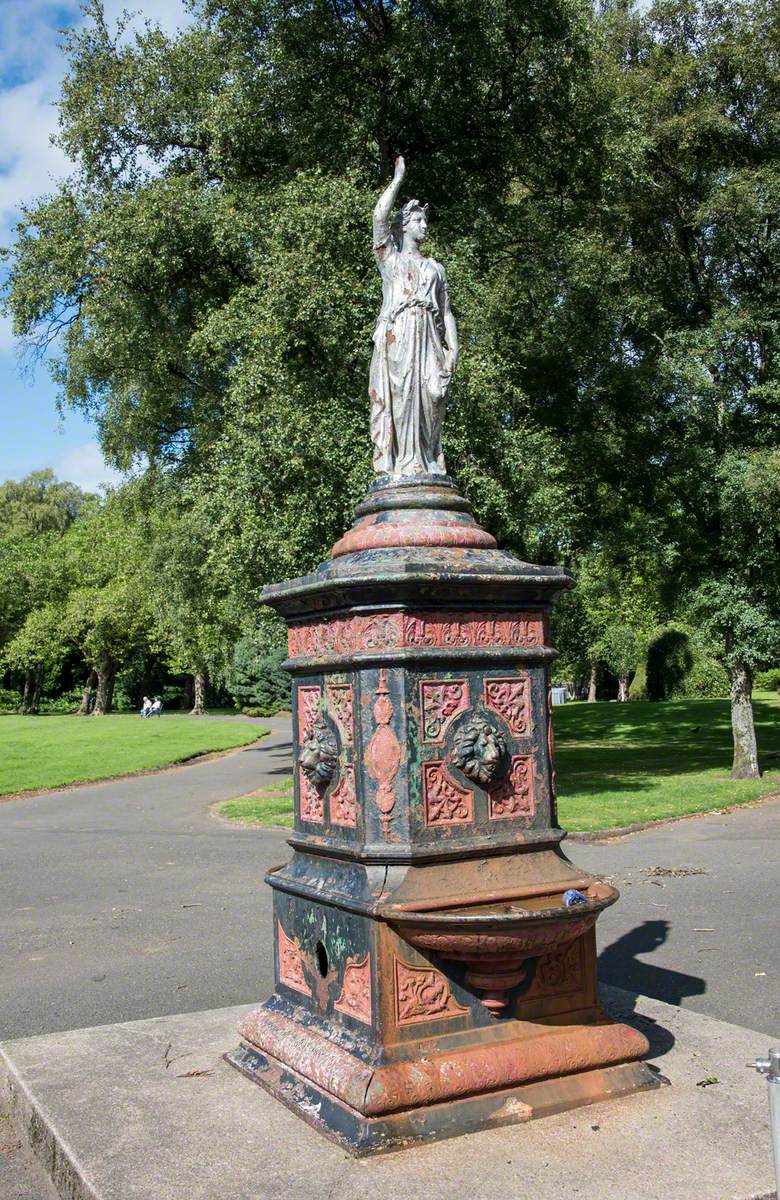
column 195, row 1074
column 708, row 1081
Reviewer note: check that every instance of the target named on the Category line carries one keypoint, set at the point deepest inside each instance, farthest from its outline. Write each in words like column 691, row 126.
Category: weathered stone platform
column 149, row 1111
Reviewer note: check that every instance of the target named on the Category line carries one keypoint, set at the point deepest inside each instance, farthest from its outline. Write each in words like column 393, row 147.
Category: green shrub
column 669, row 660
column 67, row 703
column 257, row 680
column 9, row 700
column 638, row 689
column 678, row 670
column 768, row 681
column 260, row 710
column 707, row 679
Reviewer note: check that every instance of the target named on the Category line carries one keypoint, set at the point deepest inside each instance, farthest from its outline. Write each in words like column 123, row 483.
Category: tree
column 39, row 503
column 39, row 646
column 35, row 514
column 195, row 629
column 697, row 215
column 108, row 615
column 611, row 613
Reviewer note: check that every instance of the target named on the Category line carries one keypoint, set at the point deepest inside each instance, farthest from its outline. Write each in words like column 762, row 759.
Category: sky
column 33, row 434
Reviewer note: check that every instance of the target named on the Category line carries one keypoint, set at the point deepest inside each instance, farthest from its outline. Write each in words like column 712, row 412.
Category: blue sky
column 32, row 433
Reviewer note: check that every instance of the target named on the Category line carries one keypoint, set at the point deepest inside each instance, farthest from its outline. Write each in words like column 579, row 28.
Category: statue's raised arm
column 415, row 342
column 384, row 205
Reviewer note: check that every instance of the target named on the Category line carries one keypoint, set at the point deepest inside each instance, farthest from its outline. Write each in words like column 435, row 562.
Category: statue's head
column 411, row 220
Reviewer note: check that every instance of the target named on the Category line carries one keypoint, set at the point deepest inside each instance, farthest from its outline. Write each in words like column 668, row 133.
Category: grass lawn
column 48, row 752
column 620, row 764
column 272, row 805
column 624, row 763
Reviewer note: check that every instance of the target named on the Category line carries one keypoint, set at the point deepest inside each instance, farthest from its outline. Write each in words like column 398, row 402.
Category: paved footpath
column 128, row 899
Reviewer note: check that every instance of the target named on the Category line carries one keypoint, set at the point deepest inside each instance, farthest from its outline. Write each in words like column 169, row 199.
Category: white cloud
column 86, row 467
column 170, row 15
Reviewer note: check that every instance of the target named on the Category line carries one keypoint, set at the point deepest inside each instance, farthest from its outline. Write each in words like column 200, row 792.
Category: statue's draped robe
column 408, row 379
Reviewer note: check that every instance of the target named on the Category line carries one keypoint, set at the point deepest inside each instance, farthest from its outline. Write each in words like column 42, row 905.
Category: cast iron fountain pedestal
column 430, row 979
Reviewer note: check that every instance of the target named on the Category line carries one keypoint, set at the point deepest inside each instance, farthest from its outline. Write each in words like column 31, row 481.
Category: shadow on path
column 620, row 966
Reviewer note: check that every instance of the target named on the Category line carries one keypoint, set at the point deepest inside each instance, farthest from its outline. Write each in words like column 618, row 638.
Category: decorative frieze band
column 398, row 631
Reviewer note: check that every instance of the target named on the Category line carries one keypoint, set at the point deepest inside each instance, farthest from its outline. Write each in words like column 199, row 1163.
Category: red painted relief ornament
column 334, row 636
column 355, row 998
column 422, row 994
column 340, row 704
column 343, row 800
column 445, row 802
column 311, row 800
column 308, row 704
column 559, row 972
column 383, row 756
column 440, row 702
column 514, row 796
column 312, row 805
column 511, row 699
column 290, row 964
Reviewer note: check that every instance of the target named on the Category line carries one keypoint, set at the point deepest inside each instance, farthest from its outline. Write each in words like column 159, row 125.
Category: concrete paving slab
column 148, row 1109
column 22, row 1177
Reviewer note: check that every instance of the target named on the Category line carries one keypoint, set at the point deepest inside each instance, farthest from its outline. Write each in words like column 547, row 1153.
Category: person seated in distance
column 146, row 707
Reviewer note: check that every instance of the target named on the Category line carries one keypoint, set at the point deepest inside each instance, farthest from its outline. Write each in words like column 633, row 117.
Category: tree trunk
column 35, row 702
column 745, row 765
column 622, row 687
column 24, row 707
column 594, row 670
column 89, row 688
column 105, row 688
column 200, row 681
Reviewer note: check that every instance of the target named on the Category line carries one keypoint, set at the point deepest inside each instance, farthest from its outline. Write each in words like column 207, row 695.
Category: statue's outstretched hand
column 400, row 169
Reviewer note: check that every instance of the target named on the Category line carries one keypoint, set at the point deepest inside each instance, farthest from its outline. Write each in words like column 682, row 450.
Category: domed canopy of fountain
column 413, row 532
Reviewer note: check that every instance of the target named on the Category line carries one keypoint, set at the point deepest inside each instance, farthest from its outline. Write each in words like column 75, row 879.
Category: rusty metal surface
column 439, row 1075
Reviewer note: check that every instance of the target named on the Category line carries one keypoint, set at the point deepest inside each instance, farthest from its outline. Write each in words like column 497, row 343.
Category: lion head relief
column 319, row 754
column 479, row 751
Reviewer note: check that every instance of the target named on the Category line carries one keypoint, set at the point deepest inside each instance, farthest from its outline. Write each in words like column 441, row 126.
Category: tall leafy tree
column 701, row 82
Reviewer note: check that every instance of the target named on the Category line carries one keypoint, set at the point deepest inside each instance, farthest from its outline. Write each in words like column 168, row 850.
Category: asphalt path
column 129, row 899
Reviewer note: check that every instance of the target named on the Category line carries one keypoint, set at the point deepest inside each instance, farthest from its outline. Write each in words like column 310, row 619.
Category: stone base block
column 149, row 1109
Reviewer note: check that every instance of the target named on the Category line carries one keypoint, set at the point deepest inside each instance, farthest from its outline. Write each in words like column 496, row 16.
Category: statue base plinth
column 409, row 510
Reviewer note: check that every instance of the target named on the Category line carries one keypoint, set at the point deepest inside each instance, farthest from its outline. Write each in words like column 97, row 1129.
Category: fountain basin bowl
column 494, row 940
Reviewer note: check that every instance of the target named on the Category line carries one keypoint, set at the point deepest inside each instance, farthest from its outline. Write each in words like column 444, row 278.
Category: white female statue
column 415, row 342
